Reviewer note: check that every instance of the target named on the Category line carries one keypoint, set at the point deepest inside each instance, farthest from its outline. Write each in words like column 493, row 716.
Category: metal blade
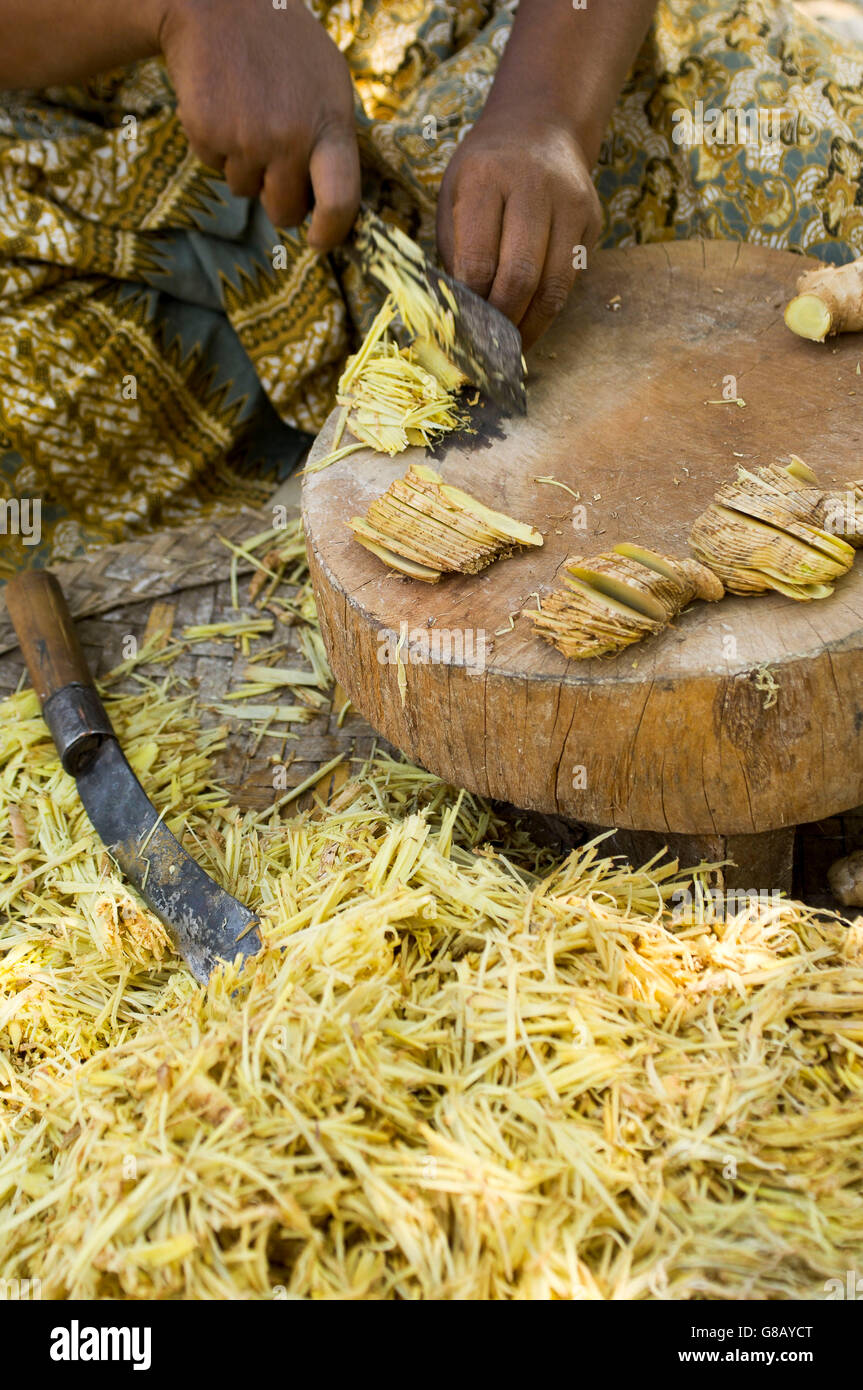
column 205, row 923
column 487, row 346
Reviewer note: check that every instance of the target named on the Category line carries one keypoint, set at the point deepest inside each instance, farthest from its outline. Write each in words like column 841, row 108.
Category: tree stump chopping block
column 670, row 367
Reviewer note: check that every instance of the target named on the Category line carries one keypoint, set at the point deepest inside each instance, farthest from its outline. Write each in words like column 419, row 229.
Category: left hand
column 516, row 200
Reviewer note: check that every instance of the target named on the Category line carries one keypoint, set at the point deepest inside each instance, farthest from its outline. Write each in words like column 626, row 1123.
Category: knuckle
column 201, row 130
column 471, row 173
column 199, row 138
column 282, row 212
column 206, row 149
column 335, row 128
column 594, row 216
column 469, row 182
column 552, row 295
column 339, row 207
column 475, row 268
column 248, row 149
column 520, row 275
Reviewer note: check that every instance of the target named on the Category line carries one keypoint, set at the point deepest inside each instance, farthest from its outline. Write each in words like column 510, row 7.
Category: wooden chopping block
column 678, row 734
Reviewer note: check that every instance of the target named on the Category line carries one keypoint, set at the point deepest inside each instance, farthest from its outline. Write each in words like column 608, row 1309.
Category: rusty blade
column 205, row 923
column 487, row 347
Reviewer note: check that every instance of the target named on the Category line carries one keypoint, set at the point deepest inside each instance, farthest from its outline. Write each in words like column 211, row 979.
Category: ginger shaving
column 767, row 530
column 424, row 527
column 392, row 397
column 617, row 598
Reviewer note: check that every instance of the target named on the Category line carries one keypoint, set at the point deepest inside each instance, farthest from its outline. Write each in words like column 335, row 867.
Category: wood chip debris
column 556, row 482
column 767, row 685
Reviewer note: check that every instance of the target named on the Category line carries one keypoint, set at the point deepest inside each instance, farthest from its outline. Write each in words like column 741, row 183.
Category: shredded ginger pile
column 460, row 1069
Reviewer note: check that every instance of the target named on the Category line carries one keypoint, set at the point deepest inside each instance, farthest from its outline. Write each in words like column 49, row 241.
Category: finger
column 523, row 247
column 208, row 154
column 243, row 176
column 556, row 281
column 444, row 225
column 334, row 169
column 285, row 194
column 477, row 217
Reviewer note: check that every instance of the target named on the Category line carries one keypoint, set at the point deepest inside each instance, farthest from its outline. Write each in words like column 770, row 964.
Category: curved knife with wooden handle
column 206, row 924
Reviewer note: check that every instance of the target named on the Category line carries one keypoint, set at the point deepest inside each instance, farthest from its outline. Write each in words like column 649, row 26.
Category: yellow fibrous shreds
column 459, row 1069
column 392, row 397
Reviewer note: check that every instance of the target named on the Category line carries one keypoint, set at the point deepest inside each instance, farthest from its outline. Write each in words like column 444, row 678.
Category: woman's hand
column 265, row 95
column 516, row 202
column 517, row 198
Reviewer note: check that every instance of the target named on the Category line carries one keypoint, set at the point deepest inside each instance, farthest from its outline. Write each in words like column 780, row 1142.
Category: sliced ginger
column 771, row 529
column 614, row 599
column 706, row 585
column 372, row 540
column 767, row 530
column 431, row 528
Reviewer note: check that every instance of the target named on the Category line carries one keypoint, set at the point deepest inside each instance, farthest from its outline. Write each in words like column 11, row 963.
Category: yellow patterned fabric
column 161, row 344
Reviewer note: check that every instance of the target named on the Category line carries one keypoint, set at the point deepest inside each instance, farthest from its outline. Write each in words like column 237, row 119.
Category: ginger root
column 829, row 300
column 845, row 877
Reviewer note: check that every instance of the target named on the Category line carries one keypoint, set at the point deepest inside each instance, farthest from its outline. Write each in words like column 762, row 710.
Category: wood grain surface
column 46, row 632
column 673, row 734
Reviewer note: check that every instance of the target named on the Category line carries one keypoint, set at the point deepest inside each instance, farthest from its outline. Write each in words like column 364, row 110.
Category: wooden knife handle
column 44, row 627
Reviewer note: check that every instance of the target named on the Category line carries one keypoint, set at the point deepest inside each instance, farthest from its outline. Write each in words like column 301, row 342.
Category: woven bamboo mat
column 139, row 570
column 177, row 579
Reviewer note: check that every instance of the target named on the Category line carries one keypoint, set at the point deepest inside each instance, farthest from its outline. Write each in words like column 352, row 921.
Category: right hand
column 265, row 96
